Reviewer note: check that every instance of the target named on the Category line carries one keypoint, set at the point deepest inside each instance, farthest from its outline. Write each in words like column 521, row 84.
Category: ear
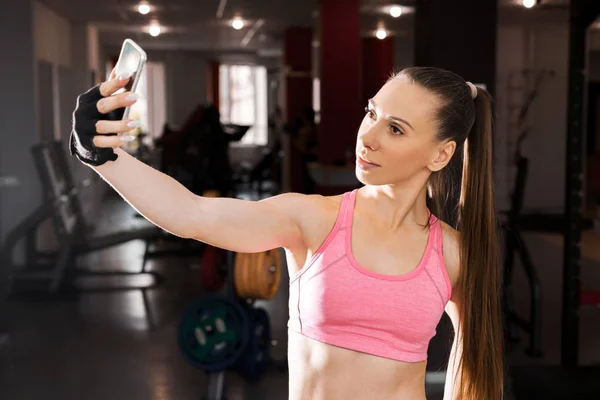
column 442, row 156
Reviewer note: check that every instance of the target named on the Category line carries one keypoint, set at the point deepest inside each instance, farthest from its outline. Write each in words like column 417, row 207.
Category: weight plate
column 273, row 271
column 213, row 333
column 255, row 361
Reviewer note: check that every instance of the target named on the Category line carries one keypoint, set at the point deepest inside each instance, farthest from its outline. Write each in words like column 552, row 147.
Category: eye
column 395, row 130
column 370, row 113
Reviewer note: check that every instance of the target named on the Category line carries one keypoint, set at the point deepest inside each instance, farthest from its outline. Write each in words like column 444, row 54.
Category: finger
column 106, row 126
column 112, row 73
column 112, row 85
column 110, row 103
column 112, row 141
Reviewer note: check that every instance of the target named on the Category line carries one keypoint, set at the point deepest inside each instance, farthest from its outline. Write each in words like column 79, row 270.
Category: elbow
column 191, row 219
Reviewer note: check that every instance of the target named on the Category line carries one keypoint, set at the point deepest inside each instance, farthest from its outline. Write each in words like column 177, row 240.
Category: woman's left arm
column 452, row 379
column 451, row 246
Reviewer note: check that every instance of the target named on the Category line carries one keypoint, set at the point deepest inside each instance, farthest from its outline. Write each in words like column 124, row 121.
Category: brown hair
column 468, row 121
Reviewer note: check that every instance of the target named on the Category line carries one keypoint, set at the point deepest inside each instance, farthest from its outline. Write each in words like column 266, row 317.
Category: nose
column 368, row 138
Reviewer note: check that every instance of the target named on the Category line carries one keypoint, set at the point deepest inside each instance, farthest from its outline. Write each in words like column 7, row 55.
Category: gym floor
column 122, row 344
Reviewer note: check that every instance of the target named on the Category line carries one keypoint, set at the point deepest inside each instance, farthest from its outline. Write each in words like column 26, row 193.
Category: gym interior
column 97, row 303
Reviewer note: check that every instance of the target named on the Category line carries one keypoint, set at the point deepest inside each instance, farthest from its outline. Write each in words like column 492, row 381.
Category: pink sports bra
column 336, row 301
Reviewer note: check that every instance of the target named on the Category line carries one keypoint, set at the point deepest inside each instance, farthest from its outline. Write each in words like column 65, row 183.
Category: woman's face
column 397, row 137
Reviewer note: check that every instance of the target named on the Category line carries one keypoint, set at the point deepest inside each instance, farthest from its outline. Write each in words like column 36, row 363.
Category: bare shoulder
column 310, row 212
column 314, row 215
column 298, row 204
column 451, row 243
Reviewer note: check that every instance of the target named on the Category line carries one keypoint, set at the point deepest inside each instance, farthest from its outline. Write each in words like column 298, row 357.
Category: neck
column 397, row 205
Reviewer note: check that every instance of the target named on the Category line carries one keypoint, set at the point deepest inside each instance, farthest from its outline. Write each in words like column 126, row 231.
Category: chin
column 371, row 178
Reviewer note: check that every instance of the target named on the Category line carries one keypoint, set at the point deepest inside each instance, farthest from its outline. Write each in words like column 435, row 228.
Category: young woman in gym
column 371, row 270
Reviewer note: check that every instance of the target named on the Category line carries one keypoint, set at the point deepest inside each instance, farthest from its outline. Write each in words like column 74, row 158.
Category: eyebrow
column 392, row 118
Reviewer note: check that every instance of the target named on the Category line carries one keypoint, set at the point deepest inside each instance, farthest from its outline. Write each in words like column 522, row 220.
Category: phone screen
column 130, row 60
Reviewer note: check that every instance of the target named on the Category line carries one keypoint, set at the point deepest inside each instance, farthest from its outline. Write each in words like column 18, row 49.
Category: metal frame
column 582, row 14
column 61, row 205
column 514, row 242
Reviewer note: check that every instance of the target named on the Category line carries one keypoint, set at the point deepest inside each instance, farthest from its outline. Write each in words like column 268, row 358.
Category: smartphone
column 131, row 59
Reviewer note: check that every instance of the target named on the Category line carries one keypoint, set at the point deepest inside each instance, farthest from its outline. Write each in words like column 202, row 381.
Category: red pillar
column 377, row 65
column 297, row 58
column 340, row 79
column 213, row 83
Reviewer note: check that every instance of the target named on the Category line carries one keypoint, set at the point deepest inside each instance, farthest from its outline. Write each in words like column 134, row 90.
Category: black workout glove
column 85, row 116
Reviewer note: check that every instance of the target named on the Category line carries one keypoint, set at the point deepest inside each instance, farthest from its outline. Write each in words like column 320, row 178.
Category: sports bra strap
column 347, row 210
column 436, row 225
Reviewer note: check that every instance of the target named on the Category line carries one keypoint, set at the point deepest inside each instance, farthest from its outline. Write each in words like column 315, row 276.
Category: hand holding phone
column 102, row 113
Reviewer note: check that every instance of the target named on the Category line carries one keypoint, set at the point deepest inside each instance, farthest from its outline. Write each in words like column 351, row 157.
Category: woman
column 371, row 270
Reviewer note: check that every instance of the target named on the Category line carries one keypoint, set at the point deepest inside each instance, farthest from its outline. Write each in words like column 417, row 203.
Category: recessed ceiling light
column 154, row 30
column 237, row 23
column 396, row 11
column 144, row 8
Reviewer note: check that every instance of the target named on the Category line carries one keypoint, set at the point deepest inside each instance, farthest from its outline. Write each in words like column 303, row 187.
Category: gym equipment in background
column 54, row 270
column 257, row 275
column 213, row 333
column 225, row 331
column 255, row 360
column 514, row 242
column 213, row 268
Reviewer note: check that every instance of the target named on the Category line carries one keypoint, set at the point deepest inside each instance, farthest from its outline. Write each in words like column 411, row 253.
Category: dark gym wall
column 17, row 113
column 377, row 65
column 523, row 46
column 186, row 83
column 49, row 40
column 404, row 43
column 459, row 36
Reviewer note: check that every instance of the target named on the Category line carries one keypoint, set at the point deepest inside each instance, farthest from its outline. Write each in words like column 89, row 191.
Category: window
column 243, row 100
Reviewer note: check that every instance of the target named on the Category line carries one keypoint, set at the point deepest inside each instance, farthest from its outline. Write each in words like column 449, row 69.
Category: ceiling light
column 396, row 11
column 381, row 33
column 144, row 8
column 237, row 23
column 154, row 30
column 529, row 3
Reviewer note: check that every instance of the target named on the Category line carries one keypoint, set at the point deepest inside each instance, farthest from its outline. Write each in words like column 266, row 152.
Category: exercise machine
column 56, row 269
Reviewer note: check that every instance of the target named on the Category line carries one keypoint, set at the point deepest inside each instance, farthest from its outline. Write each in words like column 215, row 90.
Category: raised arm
column 238, row 225
column 234, row 224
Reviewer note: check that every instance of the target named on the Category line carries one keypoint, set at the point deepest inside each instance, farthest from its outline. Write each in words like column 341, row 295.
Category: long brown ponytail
column 469, row 122
column 481, row 324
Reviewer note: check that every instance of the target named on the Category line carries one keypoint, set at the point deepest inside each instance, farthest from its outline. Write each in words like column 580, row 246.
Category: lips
column 368, row 162
column 364, row 164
